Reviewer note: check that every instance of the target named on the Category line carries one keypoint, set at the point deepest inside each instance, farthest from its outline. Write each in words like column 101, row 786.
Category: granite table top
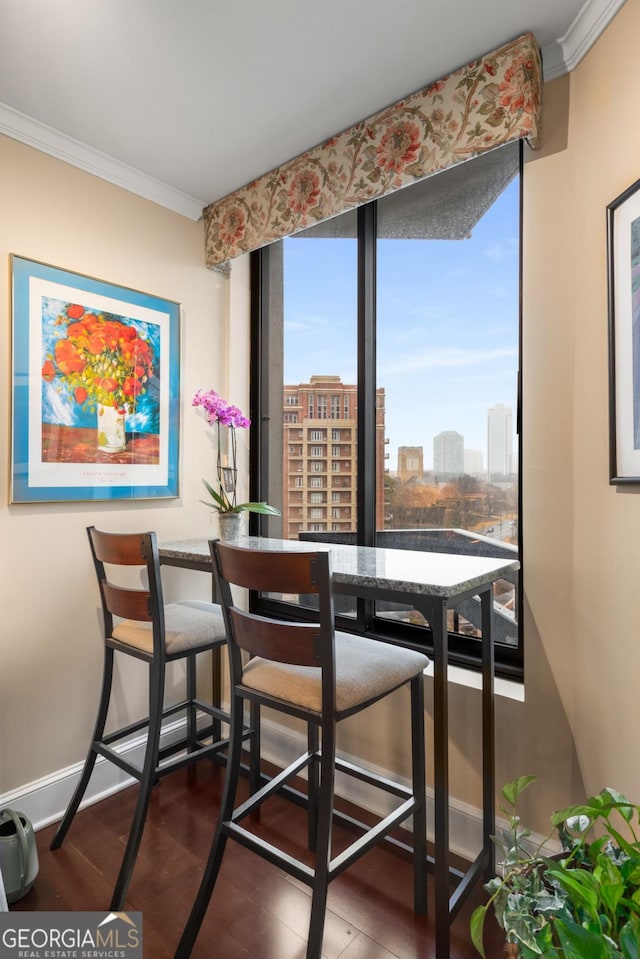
column 438, row 575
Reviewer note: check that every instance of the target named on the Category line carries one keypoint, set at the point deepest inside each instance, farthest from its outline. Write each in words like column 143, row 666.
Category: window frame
column 464, row 651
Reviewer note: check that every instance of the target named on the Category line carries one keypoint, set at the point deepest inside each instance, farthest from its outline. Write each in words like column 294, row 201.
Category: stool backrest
column 141, row 604
column 283, row 641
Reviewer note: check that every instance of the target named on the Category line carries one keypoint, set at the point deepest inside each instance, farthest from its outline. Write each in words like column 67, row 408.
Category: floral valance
column 489, row 102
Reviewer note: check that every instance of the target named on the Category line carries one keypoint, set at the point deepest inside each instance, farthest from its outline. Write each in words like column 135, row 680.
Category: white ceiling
column 183, row 101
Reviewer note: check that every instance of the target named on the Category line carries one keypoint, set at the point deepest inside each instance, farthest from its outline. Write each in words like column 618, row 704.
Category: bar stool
column 308, row 670
column 156, row 634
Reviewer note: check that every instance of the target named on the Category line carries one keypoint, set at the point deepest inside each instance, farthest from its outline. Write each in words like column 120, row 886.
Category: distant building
column 474, row 462
column 499, row 442
column 320, row 421
column 448, row 454
column 410, row 463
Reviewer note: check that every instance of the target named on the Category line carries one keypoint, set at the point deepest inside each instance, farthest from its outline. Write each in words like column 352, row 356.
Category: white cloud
column 442, row 358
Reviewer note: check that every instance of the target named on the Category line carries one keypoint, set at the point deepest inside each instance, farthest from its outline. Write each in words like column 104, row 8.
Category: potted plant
column 221, row 414
column 583, row 903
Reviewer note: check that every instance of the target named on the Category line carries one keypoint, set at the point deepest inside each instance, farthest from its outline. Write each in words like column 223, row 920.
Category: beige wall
column 581, row 534
column 604, row 146
column 576, row 729
column 49, row 630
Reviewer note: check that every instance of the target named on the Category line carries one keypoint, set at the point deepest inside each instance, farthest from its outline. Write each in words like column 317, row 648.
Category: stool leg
column 101, row 718
column 419, row 792
column 323, row 842
column 214, row 861
column 192, row 737
column 156, row 697
column 254, row 751
column 313, row 784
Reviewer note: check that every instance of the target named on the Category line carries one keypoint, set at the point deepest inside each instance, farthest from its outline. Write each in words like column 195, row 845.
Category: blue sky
column 447, row 345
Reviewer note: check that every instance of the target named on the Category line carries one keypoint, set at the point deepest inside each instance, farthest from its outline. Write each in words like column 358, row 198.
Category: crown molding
column 558, row 57
column 21, row 127
column 563, row 55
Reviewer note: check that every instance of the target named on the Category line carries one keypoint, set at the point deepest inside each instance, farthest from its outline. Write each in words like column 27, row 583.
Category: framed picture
column 96, row 380
column 623, row 249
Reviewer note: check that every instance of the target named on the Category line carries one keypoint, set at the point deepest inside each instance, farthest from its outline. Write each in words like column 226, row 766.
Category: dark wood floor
column 256, row 912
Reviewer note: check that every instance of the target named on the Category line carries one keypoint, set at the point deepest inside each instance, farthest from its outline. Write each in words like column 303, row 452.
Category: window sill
column 506, row 688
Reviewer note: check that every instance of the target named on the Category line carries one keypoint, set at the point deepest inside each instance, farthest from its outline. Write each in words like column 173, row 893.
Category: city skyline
column 445, row 347
column 451, row 455
column 470, row 453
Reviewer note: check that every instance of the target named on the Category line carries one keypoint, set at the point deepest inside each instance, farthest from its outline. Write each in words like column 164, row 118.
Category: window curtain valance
column 491, row 101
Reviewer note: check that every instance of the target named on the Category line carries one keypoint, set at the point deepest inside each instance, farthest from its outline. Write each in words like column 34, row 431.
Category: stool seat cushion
column 188, row 625
column 365, row 670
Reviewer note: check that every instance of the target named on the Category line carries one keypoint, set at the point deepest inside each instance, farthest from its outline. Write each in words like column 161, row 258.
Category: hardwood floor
column 256, row 911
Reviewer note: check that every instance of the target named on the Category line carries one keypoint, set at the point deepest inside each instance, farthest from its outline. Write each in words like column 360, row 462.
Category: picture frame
column 95, row 388
column 623, row 275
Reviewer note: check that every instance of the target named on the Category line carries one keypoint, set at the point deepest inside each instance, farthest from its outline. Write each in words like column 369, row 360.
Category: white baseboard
column 45, row 800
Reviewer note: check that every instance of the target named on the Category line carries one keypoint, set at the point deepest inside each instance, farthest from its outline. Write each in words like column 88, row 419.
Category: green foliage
column 223, row 504
column 583, row 904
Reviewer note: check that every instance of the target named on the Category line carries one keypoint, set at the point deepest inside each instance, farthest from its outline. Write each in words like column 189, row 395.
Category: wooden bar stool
column 307, row 670
column 156, row 634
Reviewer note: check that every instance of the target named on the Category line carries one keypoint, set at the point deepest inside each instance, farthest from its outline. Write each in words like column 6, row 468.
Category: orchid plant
column 219, row 413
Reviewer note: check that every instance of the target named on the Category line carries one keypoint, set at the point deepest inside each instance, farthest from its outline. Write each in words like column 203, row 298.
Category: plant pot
column 230, row 526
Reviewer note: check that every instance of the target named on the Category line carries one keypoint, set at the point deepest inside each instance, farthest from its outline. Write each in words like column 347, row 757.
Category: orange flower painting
column 95, row 388
column 99, row 385
column 98, row 358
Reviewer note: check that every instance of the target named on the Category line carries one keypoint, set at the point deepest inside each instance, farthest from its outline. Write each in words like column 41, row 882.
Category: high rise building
column 410, row 463
column 448, row 454
column 320, row 421
column 473, row 463
column 499, row 442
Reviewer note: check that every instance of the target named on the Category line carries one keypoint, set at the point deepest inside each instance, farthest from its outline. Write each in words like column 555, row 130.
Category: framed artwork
column 96, row 381
column 623, row 250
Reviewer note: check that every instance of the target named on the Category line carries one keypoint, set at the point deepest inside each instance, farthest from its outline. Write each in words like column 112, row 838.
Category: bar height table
column 431, row 583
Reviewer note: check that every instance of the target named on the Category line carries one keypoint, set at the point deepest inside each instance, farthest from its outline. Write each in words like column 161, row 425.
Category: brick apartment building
column 320, row 457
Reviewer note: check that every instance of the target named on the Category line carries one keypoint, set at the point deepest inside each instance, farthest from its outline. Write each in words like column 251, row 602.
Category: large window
column 401, row 323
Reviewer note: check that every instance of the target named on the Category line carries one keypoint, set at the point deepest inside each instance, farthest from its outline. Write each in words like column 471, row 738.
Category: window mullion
column 265, row 380
column 366, row 485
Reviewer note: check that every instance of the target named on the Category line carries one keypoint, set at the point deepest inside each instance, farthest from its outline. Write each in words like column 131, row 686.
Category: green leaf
column 476, row 926
column 256, row 508
column 611, row 894
column 624, row 844
column 218, row 503
column 545, row 944
column 219, row 499
column 223, row 504
column 524, row 929
column 571, row 812
column 598, row 807
column 546, row 903
column 580, row 886
column 513, row 790
column 578, row 823
column 620, row 802
column 579, row 943
column 595, row 847
column 630, row 939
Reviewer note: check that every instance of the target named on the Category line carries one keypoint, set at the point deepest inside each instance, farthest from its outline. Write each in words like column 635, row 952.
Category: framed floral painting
column 96, row 380
column 623, row 247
